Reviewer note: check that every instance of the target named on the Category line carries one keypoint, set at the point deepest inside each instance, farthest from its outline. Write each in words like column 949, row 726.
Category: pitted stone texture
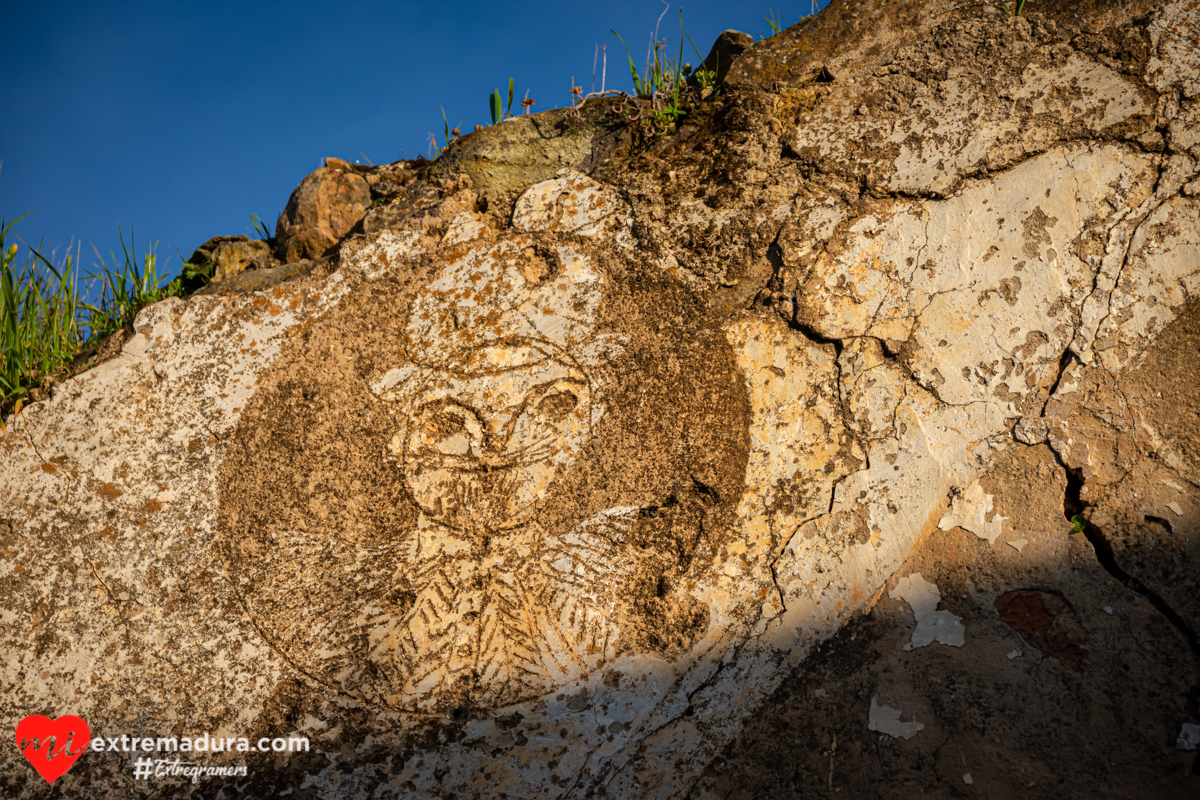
column 924, row 136
column 1030, row 430
column 1176, row 59
column 524, row 150
column 1130, row 437
column 570, row 202
column 116, row 511
column 1011, row 287
column 1128, row 745
column 1161, row 273
column 322, row 209
column 552, row 510
column 422, row 206
column 233, row 258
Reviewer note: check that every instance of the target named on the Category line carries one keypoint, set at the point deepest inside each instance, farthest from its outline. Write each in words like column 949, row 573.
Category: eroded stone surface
column 546, row 495
column 321, row 210
column 813, row 737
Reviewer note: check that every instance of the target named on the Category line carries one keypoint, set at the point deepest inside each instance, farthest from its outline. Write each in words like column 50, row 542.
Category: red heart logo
column 47, row 743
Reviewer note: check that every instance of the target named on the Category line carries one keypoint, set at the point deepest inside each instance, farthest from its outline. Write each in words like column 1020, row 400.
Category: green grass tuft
column 45, row 316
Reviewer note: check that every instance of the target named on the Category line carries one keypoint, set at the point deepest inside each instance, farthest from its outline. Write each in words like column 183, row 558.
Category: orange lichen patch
column 108, row 491
column 49, row 468
column 107, row 532
column 274, row 309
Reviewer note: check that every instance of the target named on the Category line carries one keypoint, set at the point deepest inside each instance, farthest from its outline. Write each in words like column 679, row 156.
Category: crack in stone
column 1064, row 361
column 1106, row 556
column 112, row 599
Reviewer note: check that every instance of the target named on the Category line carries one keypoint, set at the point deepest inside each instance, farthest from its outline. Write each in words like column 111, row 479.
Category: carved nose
column 497, row 432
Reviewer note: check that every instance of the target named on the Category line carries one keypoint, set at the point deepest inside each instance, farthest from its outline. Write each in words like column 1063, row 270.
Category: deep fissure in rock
column 1073, row 506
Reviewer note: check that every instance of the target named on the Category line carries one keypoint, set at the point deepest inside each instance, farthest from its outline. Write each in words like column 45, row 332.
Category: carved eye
column 449, row 430
column 446, row 424
column 557, row 404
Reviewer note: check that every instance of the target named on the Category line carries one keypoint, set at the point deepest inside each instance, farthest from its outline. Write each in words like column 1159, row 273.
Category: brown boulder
column 232, row 258
column 322, row 209
column 728, row 46
column 223, row 257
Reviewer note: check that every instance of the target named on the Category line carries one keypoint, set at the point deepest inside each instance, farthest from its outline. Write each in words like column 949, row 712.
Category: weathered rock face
column 524, row 150
column 547, row 494
column 322, row 209
column 725, row 50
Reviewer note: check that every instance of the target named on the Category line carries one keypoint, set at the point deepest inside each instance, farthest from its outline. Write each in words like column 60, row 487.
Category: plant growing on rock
column 126, row 289
column 1020, row 8
column 706, row 77
column 773, row 19
column 40, row 328
column 496, row 104
column 46, row 321
column 261, row 231
column 449, row 136
column 661, row 83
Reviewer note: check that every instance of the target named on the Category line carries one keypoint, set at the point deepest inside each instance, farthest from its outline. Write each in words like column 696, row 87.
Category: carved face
column 548, row 441
column 480, row 450
column 505, row 382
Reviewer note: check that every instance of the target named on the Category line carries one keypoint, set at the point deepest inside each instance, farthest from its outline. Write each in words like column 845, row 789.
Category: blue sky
column 177, row 120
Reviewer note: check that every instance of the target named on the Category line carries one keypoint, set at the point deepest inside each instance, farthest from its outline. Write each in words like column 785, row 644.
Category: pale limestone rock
column 932, row 625
column 918, row 330
column 1031, row 430
column 886, row 719
column 1174, row 61
column 970, row 510
column 570, row 202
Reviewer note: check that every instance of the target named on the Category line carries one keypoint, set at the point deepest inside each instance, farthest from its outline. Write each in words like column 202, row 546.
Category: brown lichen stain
column 108, row 491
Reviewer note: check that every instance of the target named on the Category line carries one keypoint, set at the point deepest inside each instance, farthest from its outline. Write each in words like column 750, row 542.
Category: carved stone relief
column 492, row 480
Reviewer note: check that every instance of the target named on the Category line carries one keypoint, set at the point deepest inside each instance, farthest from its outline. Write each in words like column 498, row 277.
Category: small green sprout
column 449, row 135
column 261, row 231
column 776, row 22
column 1009, row 11
column 706, row 78
column 1077, row 524
column 494, row 105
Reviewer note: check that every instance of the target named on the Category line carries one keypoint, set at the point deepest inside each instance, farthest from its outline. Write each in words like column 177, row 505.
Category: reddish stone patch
column 1047, row 621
